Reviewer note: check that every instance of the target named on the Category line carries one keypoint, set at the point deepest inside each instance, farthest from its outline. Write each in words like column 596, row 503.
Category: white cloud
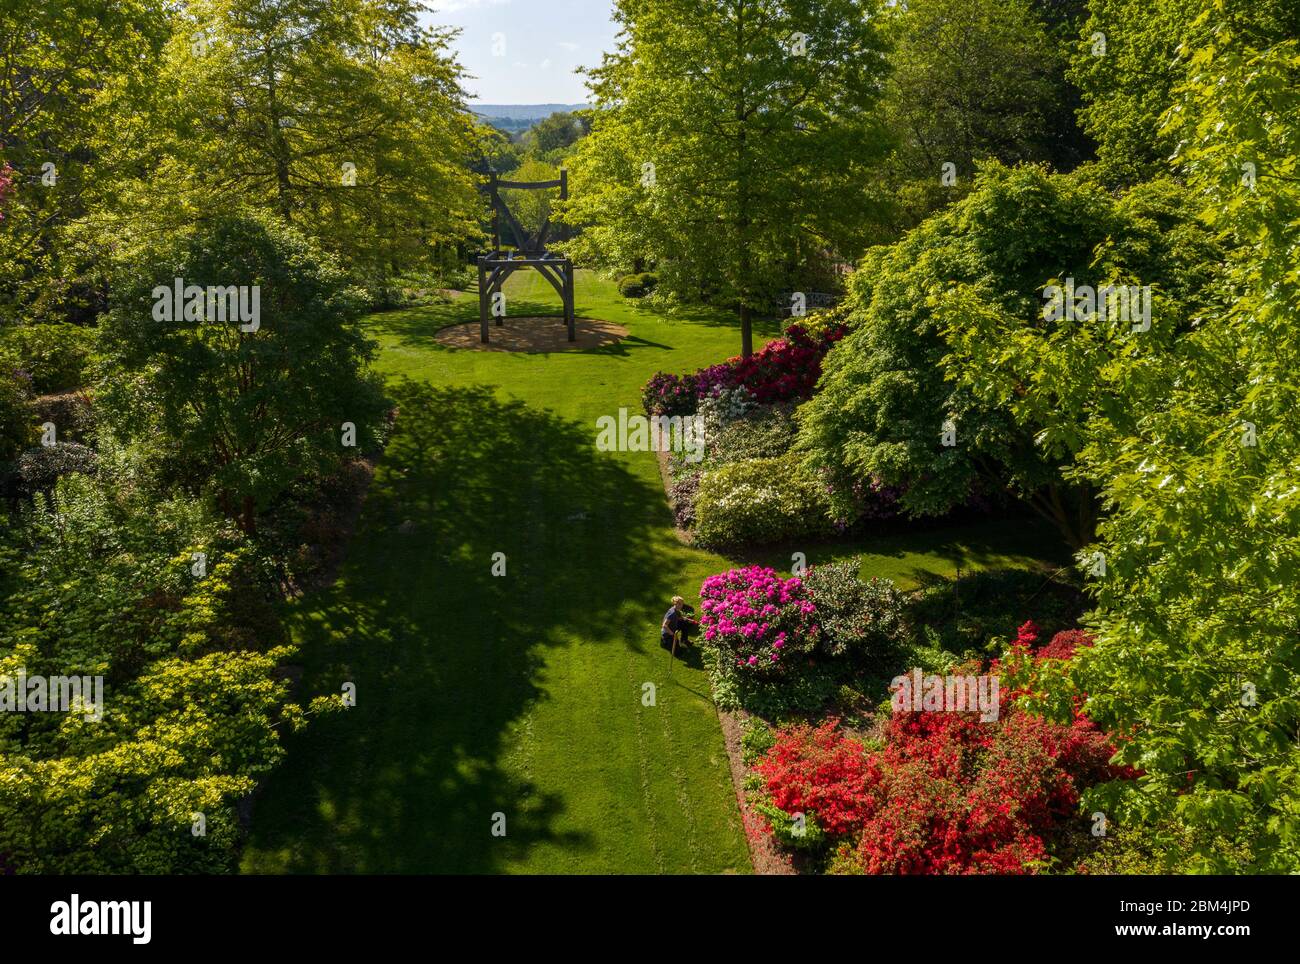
column 545, row 64
column 566, row 45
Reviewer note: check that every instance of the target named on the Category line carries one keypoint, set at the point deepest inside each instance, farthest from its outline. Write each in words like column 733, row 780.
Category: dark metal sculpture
column 530, row 252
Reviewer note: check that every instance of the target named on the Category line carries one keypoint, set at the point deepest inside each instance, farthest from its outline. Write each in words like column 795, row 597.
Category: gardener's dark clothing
column 676, row 621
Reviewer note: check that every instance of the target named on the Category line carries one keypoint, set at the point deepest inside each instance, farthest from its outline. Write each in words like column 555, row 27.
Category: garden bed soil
column 534, row 335
column 683, row 535
column 764, row 854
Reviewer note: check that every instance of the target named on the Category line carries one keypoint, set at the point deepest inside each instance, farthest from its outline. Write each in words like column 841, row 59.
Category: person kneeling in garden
column 677, row 621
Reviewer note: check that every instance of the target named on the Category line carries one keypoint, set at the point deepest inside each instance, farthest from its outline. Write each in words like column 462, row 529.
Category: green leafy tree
column 933, row 391
column 251, row 410
column 62, row 67
column 1198, row 642
column 971, row 81
column 346, row 119
column 531, row 208
column 730, row 143
column 556, row 132
column 1127, row 67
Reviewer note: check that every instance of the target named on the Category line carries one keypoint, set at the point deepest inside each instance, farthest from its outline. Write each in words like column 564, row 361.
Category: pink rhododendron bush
column 760, row 624
column 777, row 645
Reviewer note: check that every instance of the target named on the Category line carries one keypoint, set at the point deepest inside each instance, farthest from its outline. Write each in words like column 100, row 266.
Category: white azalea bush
column 759, row 501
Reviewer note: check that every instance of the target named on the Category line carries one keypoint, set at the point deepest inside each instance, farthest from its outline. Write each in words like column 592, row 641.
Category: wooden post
column 496, row 215
column 482, row 301
column 500, row 286
column 569, row 318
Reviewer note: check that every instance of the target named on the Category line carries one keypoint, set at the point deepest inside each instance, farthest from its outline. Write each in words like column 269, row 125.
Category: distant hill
column 521, row 112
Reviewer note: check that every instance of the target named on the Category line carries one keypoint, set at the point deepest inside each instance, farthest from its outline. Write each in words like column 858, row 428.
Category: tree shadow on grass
column 943, row 549
column 446, row 657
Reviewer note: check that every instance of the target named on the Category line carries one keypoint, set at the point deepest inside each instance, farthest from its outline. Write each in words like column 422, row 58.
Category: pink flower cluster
column 6, row 183
column 758, row 620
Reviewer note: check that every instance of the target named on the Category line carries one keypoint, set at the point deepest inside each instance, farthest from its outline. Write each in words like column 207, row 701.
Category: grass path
column 523, row 694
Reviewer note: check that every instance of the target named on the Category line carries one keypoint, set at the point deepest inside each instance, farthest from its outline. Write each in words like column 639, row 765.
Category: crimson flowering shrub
column 820, row 773
column 786, row 368
column 947, row 793
column 1041, row 679
column 666, row 394
column 758, row 623
column 1064, row 644
column 6, row 184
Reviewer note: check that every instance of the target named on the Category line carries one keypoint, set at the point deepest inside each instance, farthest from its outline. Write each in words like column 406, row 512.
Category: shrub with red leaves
column 948, row 794
column 819, row 772
column 786, row 368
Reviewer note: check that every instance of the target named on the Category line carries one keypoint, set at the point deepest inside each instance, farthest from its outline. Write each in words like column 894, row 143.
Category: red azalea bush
column 818, row 771
column 758, row 621
column 947, row 794
column 1064, row 644
column 786, row 368
column 951, row 795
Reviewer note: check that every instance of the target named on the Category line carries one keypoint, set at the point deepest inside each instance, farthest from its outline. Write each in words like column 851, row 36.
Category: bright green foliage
column 191, row 706
column 730, row 143
column 1127, row 66
column 1198, row 655
column 61, row 67
column 970, row 81
column 246, row 411
column 531, row 208
column 935, row 311
column 553, row 136
column 344, row 118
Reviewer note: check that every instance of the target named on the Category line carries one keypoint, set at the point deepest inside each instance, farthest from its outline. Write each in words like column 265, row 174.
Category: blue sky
column 526, row 51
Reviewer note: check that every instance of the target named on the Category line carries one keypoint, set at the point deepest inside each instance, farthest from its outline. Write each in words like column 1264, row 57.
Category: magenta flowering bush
column 759, row 624
column 668, row 394
column 786, row 368
column 6, row 183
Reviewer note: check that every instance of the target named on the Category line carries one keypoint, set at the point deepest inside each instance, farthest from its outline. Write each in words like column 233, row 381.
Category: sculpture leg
column 482, row 304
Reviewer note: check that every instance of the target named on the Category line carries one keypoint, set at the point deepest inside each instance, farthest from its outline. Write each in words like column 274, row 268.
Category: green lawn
column 522, row 694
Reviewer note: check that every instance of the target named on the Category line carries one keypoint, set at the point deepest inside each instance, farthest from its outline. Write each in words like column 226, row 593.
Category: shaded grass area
column 522, row 694
column 525, row 694
column 918, row 558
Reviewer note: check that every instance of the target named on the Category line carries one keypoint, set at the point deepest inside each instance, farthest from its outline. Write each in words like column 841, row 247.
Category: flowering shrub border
column 785, row 368
column 946, row 793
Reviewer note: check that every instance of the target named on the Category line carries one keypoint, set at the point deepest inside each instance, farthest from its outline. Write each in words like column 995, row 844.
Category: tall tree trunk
column 742, row 197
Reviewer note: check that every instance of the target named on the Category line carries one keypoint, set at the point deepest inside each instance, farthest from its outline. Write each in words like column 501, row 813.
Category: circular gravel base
column 533, row 335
